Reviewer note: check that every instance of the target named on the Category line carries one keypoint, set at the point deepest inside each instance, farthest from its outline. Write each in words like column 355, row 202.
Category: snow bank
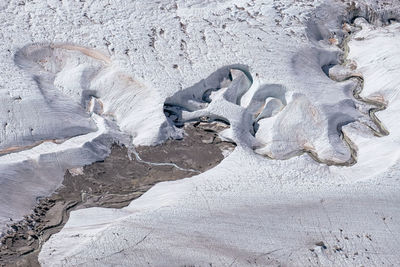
column 29, row 174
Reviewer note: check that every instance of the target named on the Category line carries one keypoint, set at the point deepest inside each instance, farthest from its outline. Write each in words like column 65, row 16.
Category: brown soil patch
column 112, row 183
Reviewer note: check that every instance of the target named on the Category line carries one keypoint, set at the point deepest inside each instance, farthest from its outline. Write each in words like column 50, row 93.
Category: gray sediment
column 113, row 183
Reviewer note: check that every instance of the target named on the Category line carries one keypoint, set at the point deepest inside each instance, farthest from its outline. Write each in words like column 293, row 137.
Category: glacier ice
column 274, row 71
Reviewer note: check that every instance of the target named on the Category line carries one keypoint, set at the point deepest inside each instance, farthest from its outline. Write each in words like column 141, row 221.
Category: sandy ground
column 112, row 183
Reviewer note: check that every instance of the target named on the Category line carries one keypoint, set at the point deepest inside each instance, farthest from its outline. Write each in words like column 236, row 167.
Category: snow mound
column 65, row 71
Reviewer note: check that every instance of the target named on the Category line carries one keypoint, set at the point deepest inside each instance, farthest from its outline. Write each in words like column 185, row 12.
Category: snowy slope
column 252, row 210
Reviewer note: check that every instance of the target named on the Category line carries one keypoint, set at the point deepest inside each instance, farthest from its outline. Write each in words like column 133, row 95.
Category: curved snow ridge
column 77, row 74
column 34, row 113
column 375, row 53
column 277, row 122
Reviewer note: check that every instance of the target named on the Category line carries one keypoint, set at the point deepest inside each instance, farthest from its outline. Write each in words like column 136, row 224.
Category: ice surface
column 269, row 70
column 78, row 75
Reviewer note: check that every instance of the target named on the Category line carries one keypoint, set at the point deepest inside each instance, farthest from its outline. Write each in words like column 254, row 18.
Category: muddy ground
column 112, row 183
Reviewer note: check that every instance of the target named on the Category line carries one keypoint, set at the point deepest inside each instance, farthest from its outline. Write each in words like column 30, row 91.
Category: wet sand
column 112, row 183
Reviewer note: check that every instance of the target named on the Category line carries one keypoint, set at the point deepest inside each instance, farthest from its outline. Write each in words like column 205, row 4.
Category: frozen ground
column 314, row 177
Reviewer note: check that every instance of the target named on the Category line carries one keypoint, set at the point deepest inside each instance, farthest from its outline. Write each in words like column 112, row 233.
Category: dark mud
column 112, row 183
